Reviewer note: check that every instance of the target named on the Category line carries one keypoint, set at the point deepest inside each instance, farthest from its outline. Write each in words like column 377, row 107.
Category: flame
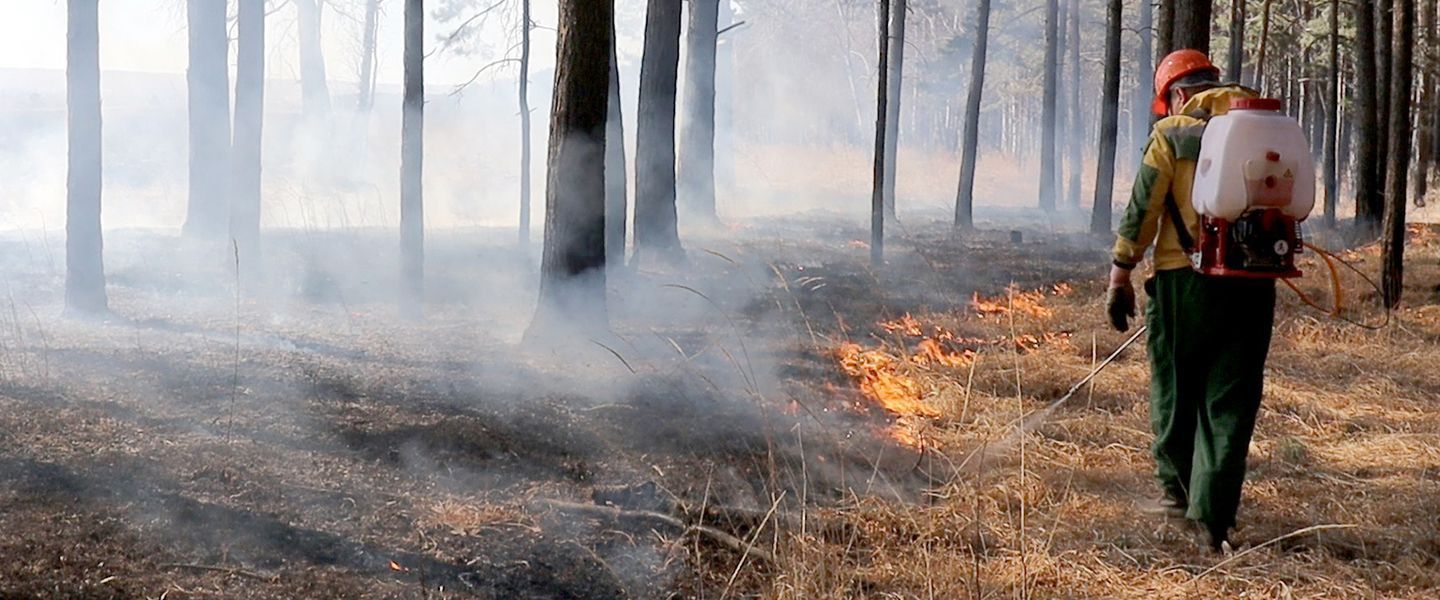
column 1023, row 302
column 906, row 325
column 879, row 377
column 932, row 353
column 394, row 566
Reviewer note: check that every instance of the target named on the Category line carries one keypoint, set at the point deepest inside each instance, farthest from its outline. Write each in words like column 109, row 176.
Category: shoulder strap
column 1181, row 231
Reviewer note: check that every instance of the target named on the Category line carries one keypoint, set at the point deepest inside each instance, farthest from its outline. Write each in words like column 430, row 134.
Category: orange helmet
column 1174, row 67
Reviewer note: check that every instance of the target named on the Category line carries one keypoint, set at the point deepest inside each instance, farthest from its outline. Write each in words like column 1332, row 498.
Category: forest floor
column 773, row 419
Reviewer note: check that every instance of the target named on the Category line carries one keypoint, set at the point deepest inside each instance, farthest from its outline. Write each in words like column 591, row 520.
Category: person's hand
column 1120, row 299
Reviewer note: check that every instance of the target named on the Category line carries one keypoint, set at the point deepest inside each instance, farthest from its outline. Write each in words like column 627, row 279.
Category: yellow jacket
column 1168, row 169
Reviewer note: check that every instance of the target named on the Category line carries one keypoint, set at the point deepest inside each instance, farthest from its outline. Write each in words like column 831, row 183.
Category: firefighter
column 1208, row 336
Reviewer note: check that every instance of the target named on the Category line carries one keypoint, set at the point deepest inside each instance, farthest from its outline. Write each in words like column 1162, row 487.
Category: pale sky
column 149, row 36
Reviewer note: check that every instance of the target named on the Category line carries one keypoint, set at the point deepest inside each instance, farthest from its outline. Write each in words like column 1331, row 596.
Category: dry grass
column 1347, row 437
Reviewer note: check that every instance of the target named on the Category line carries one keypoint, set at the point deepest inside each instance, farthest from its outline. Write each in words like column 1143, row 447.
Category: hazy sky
column 149, row 35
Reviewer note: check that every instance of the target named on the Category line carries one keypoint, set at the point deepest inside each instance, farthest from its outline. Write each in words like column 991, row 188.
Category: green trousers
column 1208, row 341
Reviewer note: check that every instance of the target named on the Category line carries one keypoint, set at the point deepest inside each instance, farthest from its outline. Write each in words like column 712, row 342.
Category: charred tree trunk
column 1236, row 56
column 697, row 135
column 1048, row 106
column 367, row 55
column 84, row 246
column 1429, row 78
column 1264, row 45
column 412, row 156
column 1369, row 202
column 314, row 90
column 208, row 84
column 616, row 202
column 1075, row 131
column 1062, row 101
column 964, row 197
column 1392, row 249
column 1192, row 24
column 1144, row 71
column 572, row 270
column 1109, row 115
column 896, row 60
column 882, row 89
column 525, row 123
column 249, row 124
column 1165, row 28
column 656, row 230
column 1384, row 21
column 1332, row 117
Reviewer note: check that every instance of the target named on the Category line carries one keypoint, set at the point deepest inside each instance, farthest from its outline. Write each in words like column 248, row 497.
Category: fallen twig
column 226, row 570
column 619, row 515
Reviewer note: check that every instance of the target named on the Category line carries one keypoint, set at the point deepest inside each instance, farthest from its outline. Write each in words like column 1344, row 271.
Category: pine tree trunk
column 412, row 155
column 1192, row 24
column 1109, row 115
column 1383, row 49
column 1048, row 106
column 1369, row 202
column 367, row 55
column 724, row 96
column 1165, row 28
column 877, row 191
column 656, row 233
column 1062, row 102
column 572, row 269
column 1392, row 249
column 525, row 25
column 1144, row 81
column 697, row 133
column 208, row 84
column 249, row 124
column 1332, row 118
column 1236, row 56
column 1264, row 46
column 314, row 90
column 964, row 198
column 616, row 200
column 896, row 60
column 1429, row 78
column 84, row 248
column 1075, row 131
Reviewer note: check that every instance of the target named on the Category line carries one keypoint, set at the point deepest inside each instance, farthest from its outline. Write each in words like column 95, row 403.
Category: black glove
column 1120, row 305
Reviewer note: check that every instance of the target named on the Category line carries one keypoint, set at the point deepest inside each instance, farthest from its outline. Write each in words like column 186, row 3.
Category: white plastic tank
column 1254, row 156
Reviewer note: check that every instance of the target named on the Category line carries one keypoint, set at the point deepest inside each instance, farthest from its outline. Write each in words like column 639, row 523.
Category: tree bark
column 314, row 90
column 1392, row 249
column 1109, row 115
column 964, row 197
column 1165, row 29
column 1048, row 106
column 1259, row 83
column 724, row 95
column 616, row 202
column 895, row 78
column 412, row 156
column 208, row 85
column 1384, row 22
column 572, row 269
column 1369, row 202
column 368, row 51
column 525, row 123
column 697, row 133
column 249, row 124
column 1192, row 24
column 1062, row 102
column 656, row 230
column 1429, row 78
column 1075, row 131
column 84, row 245
column 882, row 89
column 1236, row 56
column 1145, row 75
column 1332, row 117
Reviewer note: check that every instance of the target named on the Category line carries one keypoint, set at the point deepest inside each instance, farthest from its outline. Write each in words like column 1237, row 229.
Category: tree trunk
column 1236, row 56
column 616, row 202
column 724, row 94
column 896, row 60
column 1383, row 56
column 84, row 247
column 1048, row 106
column 1165, row 29
column 1192, row 24
column 314, row 91
column 1062, row 102
column 656, row 231
column 1264, row 46
column 964, row 197
column 572, row 269
column 1369, row 203
column 1392, row 249
column 1144, row 78
column 1109, row 114
column 525, row 123
column 1429, row 78
column 249, row 123
column 1332, row 118
column 1075, row 131
column 367, row 55
column 208, row 84
column 697, row 134
column 412, row 156
column 882, row 89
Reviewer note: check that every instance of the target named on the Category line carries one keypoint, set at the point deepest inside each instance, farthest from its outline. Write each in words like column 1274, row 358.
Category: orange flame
column 1030, row 303
column 879, row 377
column 394, row 566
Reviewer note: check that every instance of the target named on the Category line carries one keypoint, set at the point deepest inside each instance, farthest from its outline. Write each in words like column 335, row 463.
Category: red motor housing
column 1261, row 244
